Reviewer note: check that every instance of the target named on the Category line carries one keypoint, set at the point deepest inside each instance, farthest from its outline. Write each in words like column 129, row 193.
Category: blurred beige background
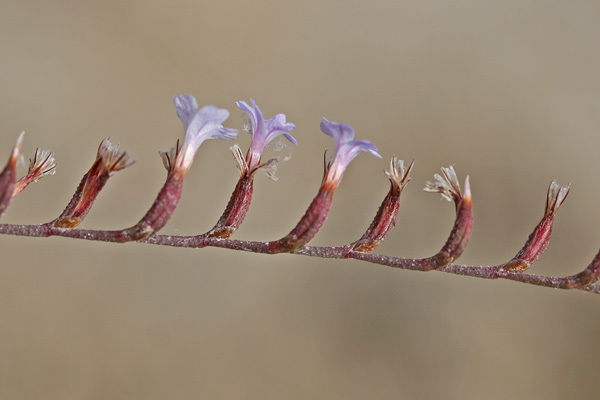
column 507, row 91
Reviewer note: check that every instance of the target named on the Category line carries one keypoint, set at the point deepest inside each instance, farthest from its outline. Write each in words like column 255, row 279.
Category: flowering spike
column 8, row 176
column 539, row 238
column 264, row 131
column 109, row 160
column 345, row 150
column 205, row 123
column 387, row 214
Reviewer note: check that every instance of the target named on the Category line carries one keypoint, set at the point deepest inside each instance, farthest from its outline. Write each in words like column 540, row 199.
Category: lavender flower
column 345, row 150
column 263, row 131
column 199, row 124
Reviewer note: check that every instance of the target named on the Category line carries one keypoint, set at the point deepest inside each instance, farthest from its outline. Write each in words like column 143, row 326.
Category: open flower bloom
column 346, row 148
column 199, row 124
column 263, row 131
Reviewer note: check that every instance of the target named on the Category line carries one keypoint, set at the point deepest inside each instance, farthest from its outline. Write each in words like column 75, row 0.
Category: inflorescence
column 205, row 123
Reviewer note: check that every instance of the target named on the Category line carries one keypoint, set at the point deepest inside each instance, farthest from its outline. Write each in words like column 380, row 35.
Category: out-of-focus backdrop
column 506, row 91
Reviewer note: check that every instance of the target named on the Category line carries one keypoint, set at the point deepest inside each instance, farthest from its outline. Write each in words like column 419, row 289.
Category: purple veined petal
column 257, row 121
column 264, row 131
column 206, row 124
column 200, row 125
column 339, row 132
column 186, row 107
column 213, row 113
column 352, row 148
column 346, row 149
column 227, row 133
column 277, row 125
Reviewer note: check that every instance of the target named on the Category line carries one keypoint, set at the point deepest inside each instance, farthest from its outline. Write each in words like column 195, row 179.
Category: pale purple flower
column 264, row 131
column 346, row 148
column 199, row 124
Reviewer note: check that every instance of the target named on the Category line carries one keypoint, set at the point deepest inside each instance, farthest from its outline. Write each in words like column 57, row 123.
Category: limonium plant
column 205, row 123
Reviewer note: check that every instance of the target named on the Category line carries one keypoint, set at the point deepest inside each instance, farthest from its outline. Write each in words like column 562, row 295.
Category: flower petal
column 339, row 132
column 277, row 125
column 202, row 124
column 227, row 133
column 353, row 148
column 199, row 124
column 264, row 131
column 257, row 120
column 186, row 106
column 345, row 148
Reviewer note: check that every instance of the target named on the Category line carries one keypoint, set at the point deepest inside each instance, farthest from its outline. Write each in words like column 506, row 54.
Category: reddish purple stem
column 539, row 238
column 308, row 226
column 384, row 221
column 82, row 201
column 236, row 209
